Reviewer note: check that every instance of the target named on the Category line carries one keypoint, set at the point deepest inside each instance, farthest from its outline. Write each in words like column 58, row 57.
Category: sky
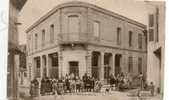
column 34, row 9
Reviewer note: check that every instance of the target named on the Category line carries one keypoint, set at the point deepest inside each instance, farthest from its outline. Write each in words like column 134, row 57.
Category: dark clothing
column 85, row 78
column 112, row 81
column 42, row 87
column 67, row 84
column 35, row 87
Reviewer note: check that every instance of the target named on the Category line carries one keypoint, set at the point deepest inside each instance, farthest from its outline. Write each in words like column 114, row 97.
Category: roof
column 87, row 5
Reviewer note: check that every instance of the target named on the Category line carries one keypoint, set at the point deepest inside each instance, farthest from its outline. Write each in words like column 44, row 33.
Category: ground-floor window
column 130, row 64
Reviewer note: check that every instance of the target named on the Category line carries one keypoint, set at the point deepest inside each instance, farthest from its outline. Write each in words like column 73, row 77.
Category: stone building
column 79, row 38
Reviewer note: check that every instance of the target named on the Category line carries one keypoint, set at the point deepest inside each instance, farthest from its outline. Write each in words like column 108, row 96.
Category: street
column 97, row 96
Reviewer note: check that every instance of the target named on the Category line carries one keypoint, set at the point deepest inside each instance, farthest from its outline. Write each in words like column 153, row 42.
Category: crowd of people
column 121, row 81
column 73, row 83
column 68, row 84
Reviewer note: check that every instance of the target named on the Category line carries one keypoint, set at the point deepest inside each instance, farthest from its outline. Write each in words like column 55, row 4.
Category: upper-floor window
column 118, row 36
column 96, row 29
column 151, row 20
column 130, row 64
column 151, row 34
column 43, row 37
column 51, row 33
column 130, row 38
column 140, row 65
column 29, row 42
column 73, row 24
column 29, row 37
column 140, row 41
column 36, row 41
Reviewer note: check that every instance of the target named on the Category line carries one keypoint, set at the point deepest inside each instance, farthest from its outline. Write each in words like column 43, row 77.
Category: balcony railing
column 72, row 38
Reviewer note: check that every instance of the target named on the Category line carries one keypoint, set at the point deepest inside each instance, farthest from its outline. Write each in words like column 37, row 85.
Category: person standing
column 141, row 80
column 152, row 88
column 32, row 87
column 85, row 81
column 42, row 87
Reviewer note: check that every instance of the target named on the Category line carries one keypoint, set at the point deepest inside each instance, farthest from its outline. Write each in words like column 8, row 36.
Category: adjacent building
column 13, row 48
column 79, row 38
column 156, row 42
column 23, row 80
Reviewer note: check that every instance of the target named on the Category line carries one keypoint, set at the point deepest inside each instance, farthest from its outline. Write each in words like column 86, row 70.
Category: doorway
column 95, row 64
column 117, row 64
column 74, row 67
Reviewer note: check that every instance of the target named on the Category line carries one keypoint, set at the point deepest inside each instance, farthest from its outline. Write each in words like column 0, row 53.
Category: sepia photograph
column 86, row 49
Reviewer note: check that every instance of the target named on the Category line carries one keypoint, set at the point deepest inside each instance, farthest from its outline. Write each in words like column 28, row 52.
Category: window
column 151, row 35
column 118, row 36
column 38, row 62
column 51, row 33
column 38, row 66
column 25, row 74
column 140, row 65
column 157, row 23
column 139, row 41
column 36, row 41
column 55, row 61
column 96, row 29
column 29, row 42
column 73, row 24
column 151, row 20
column 43, row 37
column 130, row 64
column 130, row 38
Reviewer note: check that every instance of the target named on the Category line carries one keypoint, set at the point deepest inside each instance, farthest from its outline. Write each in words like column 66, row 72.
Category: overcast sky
column 34, row 9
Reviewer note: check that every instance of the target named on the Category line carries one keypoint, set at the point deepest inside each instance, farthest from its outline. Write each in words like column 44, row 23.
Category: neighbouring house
column 156, row 43
column 13, row 48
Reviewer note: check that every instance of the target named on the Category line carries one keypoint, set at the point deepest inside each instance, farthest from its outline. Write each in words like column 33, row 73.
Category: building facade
column 156, row 42
column 80, row 38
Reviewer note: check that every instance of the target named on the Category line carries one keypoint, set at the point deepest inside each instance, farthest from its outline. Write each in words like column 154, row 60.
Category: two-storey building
column 79, row 38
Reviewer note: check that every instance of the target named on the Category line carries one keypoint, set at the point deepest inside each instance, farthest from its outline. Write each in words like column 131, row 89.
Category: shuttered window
column 96, row 29
column 51, row 33
column 118, row 36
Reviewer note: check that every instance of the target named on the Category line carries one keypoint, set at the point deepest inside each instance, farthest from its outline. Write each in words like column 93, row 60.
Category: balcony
column 67, row 38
